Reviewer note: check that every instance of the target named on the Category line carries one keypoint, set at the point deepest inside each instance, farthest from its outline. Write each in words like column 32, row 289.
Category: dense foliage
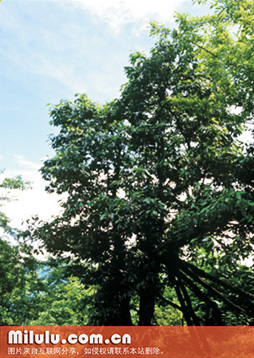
column 160, row 190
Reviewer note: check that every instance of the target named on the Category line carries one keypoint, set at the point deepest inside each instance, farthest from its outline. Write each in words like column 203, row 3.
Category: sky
column 50, row 50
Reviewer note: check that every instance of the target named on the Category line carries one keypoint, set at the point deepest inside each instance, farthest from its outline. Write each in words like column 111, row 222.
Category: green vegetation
column 159, row 213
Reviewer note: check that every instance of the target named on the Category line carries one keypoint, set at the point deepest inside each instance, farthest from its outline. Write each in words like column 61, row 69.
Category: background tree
column 34, row 292
column 62, row 299
column 6, row 185
column 17, row 266
column 159, row 205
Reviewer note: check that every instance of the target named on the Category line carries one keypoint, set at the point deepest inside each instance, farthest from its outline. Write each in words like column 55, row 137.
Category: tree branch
column 174, row 305
column 202, row 273
column 185, row 310
column 213, row 290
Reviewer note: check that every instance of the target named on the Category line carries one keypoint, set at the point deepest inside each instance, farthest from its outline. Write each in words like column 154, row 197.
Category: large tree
column 158, row 197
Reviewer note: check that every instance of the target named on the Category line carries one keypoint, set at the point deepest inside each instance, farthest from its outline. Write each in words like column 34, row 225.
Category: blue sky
column 52, row 49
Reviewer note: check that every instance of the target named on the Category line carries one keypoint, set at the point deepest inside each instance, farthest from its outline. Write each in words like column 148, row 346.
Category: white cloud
column 38, row 64
column 59, row 46
column 28, row 203
column 32, row 202
column 117, row 13
column 26, row 164
column 41, row 45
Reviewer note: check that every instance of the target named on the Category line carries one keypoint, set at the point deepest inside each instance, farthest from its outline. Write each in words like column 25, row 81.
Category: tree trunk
column 147, row 303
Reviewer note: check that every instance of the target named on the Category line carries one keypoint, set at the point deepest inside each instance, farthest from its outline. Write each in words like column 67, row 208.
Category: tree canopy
column 159, row 207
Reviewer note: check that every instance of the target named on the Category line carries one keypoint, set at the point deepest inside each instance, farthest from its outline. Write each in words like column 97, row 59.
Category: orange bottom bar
column 135, row 342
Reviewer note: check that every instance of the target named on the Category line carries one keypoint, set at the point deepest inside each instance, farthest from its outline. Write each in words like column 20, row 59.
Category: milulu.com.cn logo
column 29, row 337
